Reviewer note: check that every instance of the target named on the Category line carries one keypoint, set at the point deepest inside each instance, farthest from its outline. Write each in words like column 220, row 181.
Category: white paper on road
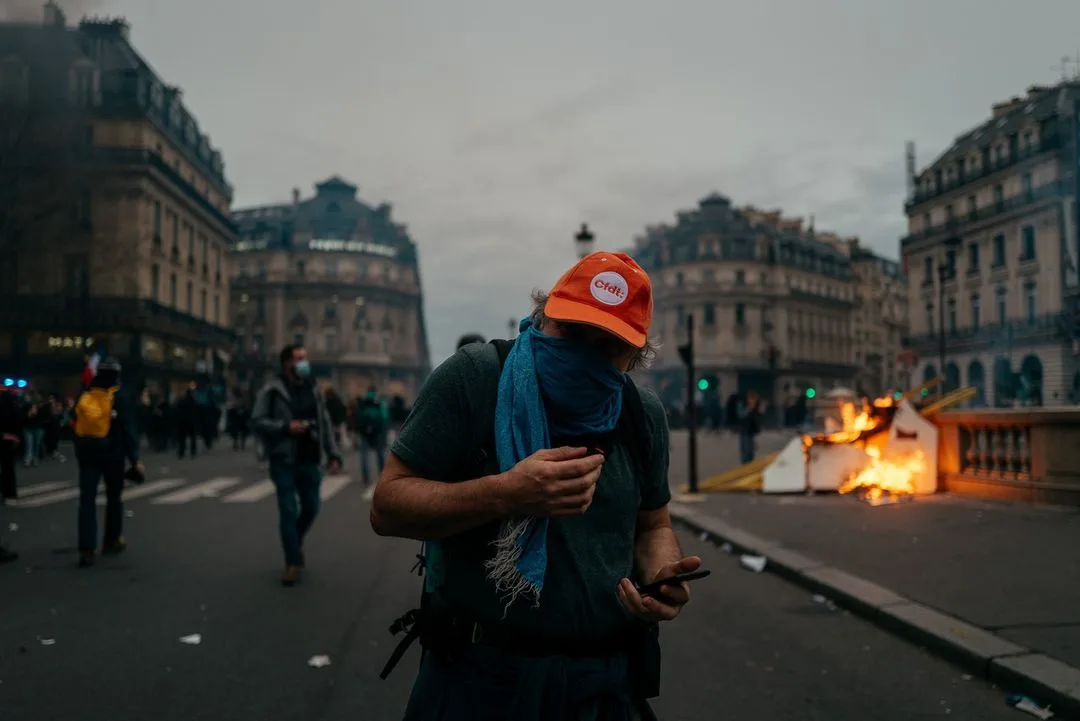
column 48, row 642
column 206, row 489
column 193, row 640
column 331, row 485
column 318, row 661
column 257, row 492
column 13, row 527
column 147, row 489
column 753, row 563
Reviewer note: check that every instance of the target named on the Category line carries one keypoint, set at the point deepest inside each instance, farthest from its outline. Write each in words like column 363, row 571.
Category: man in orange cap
column 536, row 474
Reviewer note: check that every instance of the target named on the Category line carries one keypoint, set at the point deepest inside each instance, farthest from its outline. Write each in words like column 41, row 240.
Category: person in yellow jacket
column 106, row 435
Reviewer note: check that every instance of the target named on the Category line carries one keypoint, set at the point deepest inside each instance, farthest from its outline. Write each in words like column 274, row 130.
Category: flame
column 854, row 424
column 893, row 475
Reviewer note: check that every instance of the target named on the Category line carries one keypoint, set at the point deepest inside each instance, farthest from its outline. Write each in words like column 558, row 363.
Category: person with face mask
column 290, row 418
column 106, row 434
column 535, row 473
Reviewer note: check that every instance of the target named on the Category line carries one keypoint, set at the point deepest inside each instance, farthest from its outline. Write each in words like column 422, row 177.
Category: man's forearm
column 654, row 549
column 431, row 510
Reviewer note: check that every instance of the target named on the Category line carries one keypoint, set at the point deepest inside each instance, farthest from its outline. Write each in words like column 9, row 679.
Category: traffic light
column 810, row 393
column 15, row 383
column 897, row 395
column 703, row 384
column 925, row 392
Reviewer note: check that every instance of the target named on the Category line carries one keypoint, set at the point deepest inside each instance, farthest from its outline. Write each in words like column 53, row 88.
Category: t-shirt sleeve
column 655, row 492
column 439, row 437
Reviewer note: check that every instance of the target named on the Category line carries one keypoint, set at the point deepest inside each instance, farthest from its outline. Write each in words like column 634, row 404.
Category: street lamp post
column 584, row 241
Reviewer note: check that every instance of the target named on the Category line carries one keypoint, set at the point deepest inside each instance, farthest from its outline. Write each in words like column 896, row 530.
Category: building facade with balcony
column 339, row 276
column 116, row 235
column 772, row 305
column 879, row 323
column 991, row 254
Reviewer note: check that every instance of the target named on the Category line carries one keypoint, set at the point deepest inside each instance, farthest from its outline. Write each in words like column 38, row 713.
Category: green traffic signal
column 810, row 392
column 703, row 384
column 897, row 395
column 925, row 392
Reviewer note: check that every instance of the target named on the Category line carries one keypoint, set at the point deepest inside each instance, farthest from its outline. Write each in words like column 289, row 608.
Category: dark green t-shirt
column 454, row 417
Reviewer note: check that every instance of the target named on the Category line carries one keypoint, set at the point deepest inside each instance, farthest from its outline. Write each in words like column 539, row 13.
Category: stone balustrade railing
column 1028, row 455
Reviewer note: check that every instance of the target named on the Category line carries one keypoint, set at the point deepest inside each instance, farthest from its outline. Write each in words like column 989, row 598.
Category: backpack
column 94, row 412
column 631, row 432
column 369, row 419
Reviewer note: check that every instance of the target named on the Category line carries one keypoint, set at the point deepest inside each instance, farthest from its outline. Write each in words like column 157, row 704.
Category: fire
column 886, row 476
column 854, row 424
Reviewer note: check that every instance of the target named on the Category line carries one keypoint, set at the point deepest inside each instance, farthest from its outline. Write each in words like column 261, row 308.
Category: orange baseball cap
column 606, row 290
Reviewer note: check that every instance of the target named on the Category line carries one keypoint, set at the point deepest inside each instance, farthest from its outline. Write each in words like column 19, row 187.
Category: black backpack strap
column 634, row 433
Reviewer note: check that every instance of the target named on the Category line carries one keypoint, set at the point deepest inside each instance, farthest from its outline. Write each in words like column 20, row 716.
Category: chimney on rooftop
column 999, row 109
column 296, row 196
column 54, row 16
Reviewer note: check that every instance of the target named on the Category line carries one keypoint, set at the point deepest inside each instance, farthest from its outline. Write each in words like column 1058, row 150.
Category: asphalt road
column 104, row 643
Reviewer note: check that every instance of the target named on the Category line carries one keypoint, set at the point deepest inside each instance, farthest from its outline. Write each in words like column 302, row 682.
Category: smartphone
column 653, row 589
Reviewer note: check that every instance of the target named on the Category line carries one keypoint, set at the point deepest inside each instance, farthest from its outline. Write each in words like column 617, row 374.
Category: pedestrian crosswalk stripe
column 331, row 485
column 147, row 489
column 45, row 499
column 251, row 494
column 42, row 488
column 206, row 489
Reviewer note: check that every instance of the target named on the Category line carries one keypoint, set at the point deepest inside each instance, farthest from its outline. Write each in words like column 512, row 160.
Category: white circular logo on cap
column 609, row 288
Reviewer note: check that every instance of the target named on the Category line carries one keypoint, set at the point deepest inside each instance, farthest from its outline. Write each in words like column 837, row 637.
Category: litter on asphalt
column 704, row 536
column 48, row 642
column 1025, row 704
column 13, row 527
column 727, row 548
column 318, row 661
column 193, row 640
column 129, row 514
column 753, row 563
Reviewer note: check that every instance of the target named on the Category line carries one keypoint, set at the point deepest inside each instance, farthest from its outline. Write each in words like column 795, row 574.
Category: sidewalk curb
column 974, row 649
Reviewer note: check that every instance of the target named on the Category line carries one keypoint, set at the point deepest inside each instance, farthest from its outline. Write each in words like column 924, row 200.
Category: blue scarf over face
column 549, row 387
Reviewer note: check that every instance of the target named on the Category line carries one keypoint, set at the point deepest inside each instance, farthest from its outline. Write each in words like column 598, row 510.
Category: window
column 710, row 276
column 205, row 249
column 155, row 279
column 361, row 344
column 948, row 213
column 930, row 318
column 740, row 314
column 740, row 277
column 77, row 274
column 331, row 269
column 680, row 316
column 679, row 279
column 710, row 314
column 971, row 207
column 175, row 232
column 976, row 312
column 1026, row 183
column 1027, row 243
column 202, row 304
column 191, row 242
column 1030, row 302
column 301, row 267
column 190, row 298
column 264, row 269
column 999, row 196
column 217, row 310
column 260, row 307
column 1000, row 299
column 950, row 263
column 172, row 289
column 330, row 344
column 928, row 270
column 157, row 223
column 82, row 86
column 298, row 338
column 1029, row 141
column 951, row 306
column 973, row 259
column 926, row 224
column 999, row 251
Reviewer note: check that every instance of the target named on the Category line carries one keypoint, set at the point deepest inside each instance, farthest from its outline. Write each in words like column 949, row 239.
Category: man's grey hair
column 643, row 357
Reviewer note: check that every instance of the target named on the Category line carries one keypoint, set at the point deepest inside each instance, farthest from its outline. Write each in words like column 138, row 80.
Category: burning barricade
column 884, row 451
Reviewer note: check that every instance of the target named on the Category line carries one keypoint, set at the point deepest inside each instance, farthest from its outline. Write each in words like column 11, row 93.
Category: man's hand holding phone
column 660, row 601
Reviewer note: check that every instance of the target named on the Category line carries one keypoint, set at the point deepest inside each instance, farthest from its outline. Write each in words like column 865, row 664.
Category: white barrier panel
column 787, row 472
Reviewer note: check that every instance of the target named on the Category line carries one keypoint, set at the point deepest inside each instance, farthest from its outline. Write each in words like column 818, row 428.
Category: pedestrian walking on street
column 106, row 435
column 536, row 473
column 291, row 420
column 372, row 424
column 750, row 411
column 187, row 419
column 11, row 431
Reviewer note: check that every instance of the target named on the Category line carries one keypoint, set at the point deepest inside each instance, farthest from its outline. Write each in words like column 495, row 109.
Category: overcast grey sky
column 496, row 127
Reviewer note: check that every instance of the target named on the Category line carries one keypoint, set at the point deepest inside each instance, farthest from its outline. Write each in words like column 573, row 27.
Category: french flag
column 91, row 366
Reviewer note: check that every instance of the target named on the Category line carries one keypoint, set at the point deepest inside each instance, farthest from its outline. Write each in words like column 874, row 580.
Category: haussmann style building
column 115, row 234
column 991, row 253
column 339, row 276
column 772, row 305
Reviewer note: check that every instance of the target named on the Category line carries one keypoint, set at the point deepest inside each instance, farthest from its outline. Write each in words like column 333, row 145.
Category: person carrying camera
column 290, row 418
